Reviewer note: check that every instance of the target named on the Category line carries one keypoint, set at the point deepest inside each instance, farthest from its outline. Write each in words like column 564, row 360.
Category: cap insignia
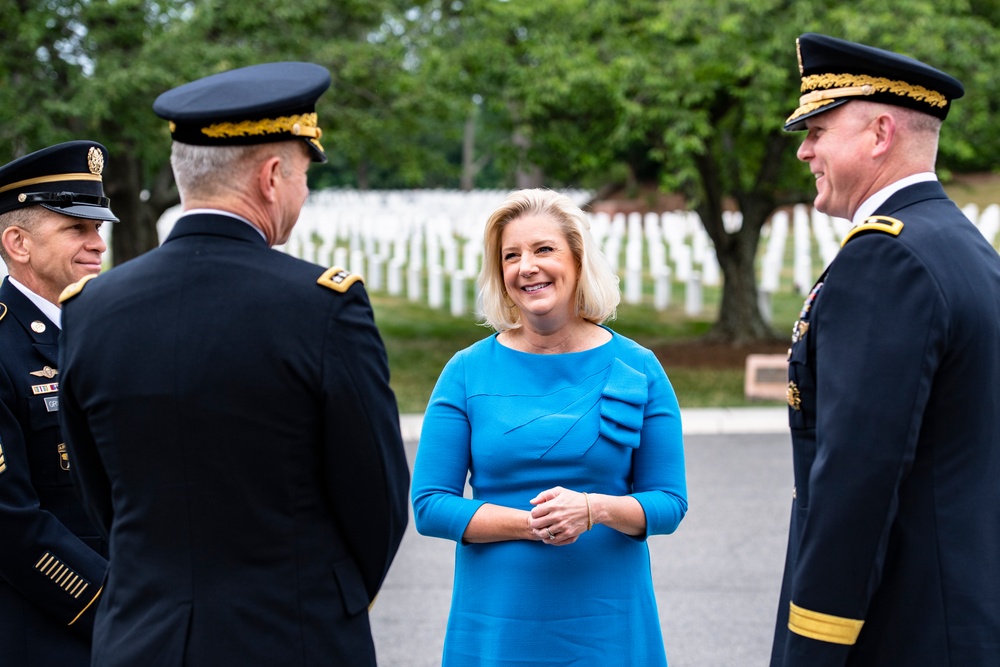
column 95, row 161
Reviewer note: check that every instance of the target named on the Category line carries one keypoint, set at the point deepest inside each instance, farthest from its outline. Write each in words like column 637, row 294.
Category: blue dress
column 604, row 420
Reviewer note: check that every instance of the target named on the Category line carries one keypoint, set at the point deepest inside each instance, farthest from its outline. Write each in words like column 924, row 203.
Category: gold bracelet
column 590, row 517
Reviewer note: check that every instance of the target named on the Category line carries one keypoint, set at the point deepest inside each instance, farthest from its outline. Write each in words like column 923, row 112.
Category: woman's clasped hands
column 560, row 516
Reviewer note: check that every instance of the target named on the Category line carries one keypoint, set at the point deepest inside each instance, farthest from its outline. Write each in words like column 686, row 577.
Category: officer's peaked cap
column 250, row 105
column 835, row 71
column 66, row 178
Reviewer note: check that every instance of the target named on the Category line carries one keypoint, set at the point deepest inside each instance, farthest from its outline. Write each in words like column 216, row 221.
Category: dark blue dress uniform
column 52, row 560
column 894, row 546
column 232, row 430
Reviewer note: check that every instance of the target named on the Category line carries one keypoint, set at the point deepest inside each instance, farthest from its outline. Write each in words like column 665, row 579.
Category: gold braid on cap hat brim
column 302, row 125
column 827, row 87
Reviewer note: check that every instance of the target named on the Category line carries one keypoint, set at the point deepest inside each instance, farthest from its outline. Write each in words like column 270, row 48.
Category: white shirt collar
column 49, row 309
column 870, row 205
column 217, row 211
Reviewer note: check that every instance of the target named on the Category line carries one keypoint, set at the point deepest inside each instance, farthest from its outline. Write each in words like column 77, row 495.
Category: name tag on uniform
column 52, row 404
column 39, row 389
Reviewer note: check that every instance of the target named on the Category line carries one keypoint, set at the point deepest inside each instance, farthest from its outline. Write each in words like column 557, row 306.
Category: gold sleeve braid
column 823, row 627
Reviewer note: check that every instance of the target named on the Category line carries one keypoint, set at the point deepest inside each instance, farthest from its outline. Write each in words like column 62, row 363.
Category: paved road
column 716, row 578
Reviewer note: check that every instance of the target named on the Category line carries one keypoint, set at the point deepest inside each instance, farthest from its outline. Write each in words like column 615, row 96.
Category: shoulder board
column 75, row 288
column 3, row 310
column 876, row 223
column 338, row 279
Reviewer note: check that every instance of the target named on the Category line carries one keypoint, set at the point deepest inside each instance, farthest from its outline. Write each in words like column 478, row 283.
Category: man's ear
column 267, row 177
column 17, row 244
column 884, row 127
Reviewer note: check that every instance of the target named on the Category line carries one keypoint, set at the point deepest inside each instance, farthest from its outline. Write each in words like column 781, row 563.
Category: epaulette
column 75, row 288
column 876, row 223
column 338, row 279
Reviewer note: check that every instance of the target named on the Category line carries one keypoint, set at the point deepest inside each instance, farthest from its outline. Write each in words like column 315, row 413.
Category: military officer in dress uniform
column 894, row 546
column 52, row 561
column 227, row 406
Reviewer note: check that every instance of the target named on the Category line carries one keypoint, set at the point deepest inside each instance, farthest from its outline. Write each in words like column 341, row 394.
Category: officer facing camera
column 52, row 561
column 893, row 375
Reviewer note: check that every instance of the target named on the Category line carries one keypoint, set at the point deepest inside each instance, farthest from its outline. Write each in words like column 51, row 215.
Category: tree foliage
column 92, row 68
column 493, row 93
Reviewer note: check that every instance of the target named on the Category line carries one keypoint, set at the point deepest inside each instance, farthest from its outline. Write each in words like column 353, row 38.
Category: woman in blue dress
column 570, row 438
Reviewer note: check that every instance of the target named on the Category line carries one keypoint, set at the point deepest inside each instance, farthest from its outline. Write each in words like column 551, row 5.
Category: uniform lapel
column 43, row 334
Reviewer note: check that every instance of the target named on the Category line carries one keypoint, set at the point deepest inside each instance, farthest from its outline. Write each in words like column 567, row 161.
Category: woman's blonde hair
column 597, row 294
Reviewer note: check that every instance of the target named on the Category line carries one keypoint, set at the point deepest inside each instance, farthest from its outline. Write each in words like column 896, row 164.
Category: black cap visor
column 86, row 211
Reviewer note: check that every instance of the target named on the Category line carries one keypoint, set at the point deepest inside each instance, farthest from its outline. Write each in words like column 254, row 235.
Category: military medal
column 807, row 306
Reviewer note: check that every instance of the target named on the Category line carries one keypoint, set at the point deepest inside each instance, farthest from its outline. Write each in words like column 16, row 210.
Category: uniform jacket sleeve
column 41, row 557
column 365, row 460
column 881, row 336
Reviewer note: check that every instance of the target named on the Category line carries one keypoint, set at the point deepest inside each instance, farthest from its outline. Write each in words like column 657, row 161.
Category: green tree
column 92, row 68
column 73, row 70
column 733, row 84
column 493, row 93
column 690, row 95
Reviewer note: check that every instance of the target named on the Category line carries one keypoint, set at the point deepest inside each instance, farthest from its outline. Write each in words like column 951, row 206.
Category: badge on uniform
column 63, row 456
column 38, row 326
column 51, row 404
column 3, row 460
column 793, row 396
column 47, row 372
column 39, row 389
column 338, row 279
column 799, row 330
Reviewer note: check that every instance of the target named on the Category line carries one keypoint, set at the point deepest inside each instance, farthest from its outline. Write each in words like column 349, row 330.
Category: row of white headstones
column 427, row 245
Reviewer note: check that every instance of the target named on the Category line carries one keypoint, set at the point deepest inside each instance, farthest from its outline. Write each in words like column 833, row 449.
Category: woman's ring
column 551, row 536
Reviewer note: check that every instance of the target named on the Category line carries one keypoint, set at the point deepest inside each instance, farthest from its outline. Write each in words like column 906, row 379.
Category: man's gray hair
column 205, row 171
